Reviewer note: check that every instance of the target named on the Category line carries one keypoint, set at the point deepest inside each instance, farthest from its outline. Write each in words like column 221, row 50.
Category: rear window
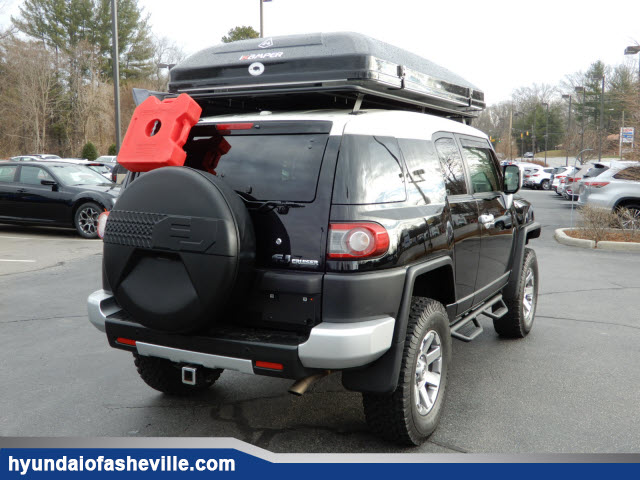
column 369, row 171
column 425, row 180
column 631, row 173
column 274, row 167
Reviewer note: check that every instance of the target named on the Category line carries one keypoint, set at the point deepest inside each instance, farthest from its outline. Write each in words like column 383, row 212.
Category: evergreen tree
column 89, row 151
column 63, row 25
column 240, row 33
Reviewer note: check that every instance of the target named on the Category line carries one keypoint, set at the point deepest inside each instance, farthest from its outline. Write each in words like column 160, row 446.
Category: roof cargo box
column 321, row 70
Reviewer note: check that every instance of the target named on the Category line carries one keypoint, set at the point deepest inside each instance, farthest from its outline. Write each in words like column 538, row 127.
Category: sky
column 498, row 46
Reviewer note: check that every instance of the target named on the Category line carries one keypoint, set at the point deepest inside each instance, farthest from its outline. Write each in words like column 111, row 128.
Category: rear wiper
column 282, row 207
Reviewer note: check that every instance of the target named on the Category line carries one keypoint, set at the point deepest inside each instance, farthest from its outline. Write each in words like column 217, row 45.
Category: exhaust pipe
column 300, row 386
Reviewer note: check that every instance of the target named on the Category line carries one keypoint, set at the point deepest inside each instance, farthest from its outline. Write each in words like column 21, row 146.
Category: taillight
column 357, row 240
column 126, row 341
column 102, row 223
column 597, row 184
column 536, row 175
column 234, row 126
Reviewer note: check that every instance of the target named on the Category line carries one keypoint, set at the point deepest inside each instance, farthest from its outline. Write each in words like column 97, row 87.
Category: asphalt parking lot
column 573, row 385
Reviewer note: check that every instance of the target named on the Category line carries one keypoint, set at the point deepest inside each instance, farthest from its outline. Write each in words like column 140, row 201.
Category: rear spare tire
column 178, row 248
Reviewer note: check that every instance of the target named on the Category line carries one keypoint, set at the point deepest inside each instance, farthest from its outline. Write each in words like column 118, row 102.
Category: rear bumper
column 328, row 346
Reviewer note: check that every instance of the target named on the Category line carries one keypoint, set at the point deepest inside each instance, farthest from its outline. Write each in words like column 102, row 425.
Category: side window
column 452, row 166
column 482, row 169
column 425, row 184
column 631, row 173
column 7, row 174
column 369, row 171
column 33, row 175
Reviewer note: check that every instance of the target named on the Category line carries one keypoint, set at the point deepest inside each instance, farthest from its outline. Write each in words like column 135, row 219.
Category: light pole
column 511, row 134
column 632, row 50
column 518, row 114
column 566, row 147
column 116, row 70
column 601, row 121
column 621, row 130
column 546, row 133
column 574, row 167
column 584, row 91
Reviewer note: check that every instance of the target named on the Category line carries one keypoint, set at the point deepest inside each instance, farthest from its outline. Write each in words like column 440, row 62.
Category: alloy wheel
column 88, row 220
column 528, row 299
column 631, row 219
column 428, row 372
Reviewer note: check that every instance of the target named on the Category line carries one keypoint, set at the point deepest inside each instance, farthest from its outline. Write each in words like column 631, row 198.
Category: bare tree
column 30, row 81
column 167, row 53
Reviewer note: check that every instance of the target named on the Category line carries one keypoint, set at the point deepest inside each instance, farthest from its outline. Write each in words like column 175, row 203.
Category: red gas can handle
column 157, row 133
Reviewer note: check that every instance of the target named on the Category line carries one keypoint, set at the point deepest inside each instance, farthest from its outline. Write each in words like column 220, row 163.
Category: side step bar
column 468, row 327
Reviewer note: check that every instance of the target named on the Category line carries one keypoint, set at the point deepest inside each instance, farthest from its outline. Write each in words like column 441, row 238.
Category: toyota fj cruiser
column 294, row 243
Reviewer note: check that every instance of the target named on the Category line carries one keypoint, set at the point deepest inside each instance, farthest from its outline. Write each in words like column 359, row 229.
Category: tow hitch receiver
column 189, row 375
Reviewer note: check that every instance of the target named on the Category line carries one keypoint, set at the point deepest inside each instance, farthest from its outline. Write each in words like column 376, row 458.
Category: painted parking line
column 17, row 261
column 65, row 239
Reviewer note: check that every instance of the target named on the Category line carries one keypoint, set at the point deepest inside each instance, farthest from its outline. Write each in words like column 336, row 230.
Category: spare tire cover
column 176, row 245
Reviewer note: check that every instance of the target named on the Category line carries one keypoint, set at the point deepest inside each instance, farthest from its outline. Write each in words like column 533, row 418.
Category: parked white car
column 103, row 169
column 538, row 177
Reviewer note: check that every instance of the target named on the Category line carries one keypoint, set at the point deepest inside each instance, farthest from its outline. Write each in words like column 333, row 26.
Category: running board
column 469, row 327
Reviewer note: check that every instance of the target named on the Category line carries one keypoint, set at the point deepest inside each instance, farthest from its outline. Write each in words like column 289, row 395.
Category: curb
column 565, row 239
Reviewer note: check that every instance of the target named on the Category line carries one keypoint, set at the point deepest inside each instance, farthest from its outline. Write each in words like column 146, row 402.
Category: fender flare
column 523, row 235
column 381, row 376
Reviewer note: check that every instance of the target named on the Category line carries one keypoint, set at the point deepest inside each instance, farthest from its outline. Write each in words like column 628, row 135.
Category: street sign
column 626, row 134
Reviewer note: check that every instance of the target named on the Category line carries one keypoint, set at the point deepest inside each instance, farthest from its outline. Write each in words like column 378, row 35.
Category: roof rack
column 322, row 70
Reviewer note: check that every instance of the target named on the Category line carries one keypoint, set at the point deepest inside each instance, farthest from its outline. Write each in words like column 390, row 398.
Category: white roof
column 399, row 124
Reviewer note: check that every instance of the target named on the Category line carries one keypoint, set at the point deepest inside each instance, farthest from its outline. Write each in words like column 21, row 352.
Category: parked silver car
column 615, row 188
column 573, row 183
column 559, row 178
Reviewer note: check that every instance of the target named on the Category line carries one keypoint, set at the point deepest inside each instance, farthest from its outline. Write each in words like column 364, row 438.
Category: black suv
column 296, row 244
column 324, row 241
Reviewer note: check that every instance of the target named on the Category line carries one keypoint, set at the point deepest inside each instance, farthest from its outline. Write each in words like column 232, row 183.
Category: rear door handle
column 21, row 190
column 487, row 220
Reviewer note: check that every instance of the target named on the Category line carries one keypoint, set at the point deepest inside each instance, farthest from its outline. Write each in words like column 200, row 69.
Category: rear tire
column 166, row 376
column 518, row 321
column 545, row 185
column 412, row 412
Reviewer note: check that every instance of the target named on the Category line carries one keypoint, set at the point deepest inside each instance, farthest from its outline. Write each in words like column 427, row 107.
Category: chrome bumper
column 100, row 305
column 330, row 345
column 346, row 345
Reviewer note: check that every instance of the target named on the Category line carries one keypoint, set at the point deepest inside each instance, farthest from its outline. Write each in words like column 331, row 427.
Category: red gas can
column 157, row 133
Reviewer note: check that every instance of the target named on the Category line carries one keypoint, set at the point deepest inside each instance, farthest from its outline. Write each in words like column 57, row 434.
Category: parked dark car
column 57, row 194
